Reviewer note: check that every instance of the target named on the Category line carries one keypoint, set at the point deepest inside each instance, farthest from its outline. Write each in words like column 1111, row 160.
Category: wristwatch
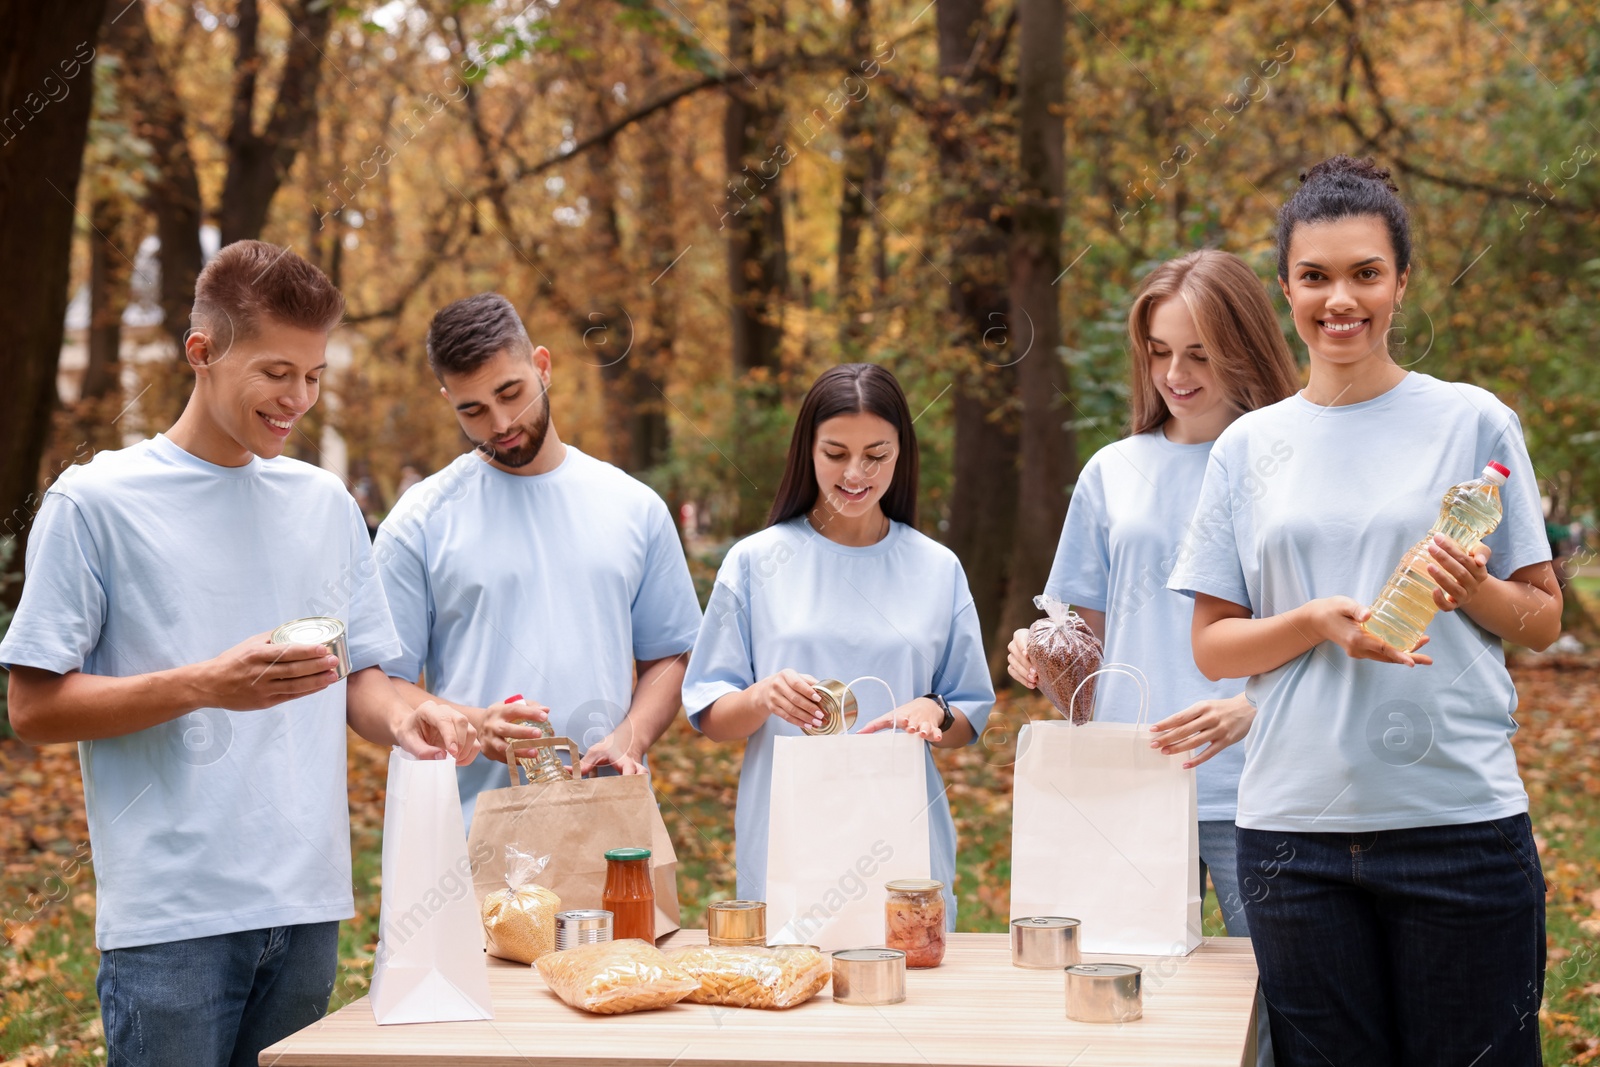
column 949, row 719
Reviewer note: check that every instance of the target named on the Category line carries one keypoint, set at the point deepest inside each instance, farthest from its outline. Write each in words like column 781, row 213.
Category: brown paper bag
column 574, row 823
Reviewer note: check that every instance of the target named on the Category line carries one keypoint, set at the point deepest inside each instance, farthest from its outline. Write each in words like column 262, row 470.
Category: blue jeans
column 215, row 1001
column 1415, row 947
column 1218, row 855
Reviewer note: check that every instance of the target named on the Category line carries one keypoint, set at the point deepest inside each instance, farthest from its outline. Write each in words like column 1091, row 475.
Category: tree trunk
column 983, row 498
column 1048, row 450
column 653, row 357
column 752, row 213
column 259, row 162
column 151, row 98
column 42, row 136
column 110, row 275
column 856, row 134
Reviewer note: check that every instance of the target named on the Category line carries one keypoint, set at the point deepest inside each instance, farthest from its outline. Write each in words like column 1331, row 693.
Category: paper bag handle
column 541, row 742
column 893, row 703
column 1130, row 671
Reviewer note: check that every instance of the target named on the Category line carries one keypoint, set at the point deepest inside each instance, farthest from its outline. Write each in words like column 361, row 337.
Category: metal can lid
column 1104, row 970
column 869, row 955
column 583, row 916
column 1045, row 922
column 737, row 905
column 312, row 631
column 914, row 885
column 624, row 854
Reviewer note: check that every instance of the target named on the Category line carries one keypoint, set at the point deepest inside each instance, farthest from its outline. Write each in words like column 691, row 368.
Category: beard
column 536, row 429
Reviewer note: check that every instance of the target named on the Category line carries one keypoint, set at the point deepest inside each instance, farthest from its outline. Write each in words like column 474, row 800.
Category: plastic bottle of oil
column 1470, row 513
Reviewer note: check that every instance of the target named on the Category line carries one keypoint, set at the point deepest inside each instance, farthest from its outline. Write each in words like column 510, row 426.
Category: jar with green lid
column 630, row 895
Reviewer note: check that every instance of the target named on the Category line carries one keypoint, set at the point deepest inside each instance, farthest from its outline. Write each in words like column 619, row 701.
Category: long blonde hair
column 1235, row 321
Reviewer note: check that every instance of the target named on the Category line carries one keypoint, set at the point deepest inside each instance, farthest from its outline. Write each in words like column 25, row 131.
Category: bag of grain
column 519, row 921
column 1065, row 652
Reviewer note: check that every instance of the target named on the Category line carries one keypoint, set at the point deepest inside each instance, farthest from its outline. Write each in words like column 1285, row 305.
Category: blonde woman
column 1204, row 347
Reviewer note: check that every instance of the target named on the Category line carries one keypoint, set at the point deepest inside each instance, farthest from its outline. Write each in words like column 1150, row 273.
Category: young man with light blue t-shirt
column 213, row 761
column 529, row 567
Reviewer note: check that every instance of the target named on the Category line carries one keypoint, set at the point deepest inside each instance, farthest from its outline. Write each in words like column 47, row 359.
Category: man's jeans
column 1414, row 947
column 215, row 1001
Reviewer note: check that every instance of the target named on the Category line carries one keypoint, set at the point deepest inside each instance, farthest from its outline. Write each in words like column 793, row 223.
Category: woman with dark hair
column 1391, row 881
column 840, row 585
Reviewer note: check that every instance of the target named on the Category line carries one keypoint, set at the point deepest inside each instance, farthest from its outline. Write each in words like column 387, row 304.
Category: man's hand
column 511, row 720
column 256, row 674
column 1213, row 723
column 613, row 751
column 434, row 730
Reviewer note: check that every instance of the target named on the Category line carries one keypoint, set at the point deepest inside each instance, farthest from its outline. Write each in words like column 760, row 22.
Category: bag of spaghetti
column 615, row 977
column 519, row 921
column 739, row 977
column 1064, row 651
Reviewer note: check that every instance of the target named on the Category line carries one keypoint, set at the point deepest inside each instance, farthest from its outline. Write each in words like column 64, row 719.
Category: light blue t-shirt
column 150, row 558
column 899, row 610
column 549, row 585
column 1302, row 502
column 1128, row 513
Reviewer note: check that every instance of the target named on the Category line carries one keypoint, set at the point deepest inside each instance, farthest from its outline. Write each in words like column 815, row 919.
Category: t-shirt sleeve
column 1520, row 539
column 63, row 607
column 402, row 566
column 962, row 677
column 371, row 634
column 666, row 613
column 723, row 660
column 1208, row 558
column 1080, row 574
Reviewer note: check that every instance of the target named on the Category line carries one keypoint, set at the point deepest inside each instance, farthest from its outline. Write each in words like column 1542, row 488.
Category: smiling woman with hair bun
column 1391, row 881
column 840, row 585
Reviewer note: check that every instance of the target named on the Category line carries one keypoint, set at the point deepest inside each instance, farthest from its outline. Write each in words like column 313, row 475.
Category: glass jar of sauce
column 630, row 895
column 914, row 920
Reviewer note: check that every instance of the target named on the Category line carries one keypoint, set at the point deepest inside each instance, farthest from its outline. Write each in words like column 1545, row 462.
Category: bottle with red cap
column 1470, row 513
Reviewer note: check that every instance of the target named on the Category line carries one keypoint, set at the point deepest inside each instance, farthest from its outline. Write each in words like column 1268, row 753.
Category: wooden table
column 976, row 1009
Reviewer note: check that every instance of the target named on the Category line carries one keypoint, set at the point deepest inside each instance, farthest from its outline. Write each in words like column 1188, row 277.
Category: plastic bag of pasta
column 615, row 977
column 754, row 977
column 519, row 921
column 1064, row 651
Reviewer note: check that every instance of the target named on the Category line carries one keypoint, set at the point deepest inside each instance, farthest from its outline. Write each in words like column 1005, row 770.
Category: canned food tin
column 317, row 630
column 1044, row 942
column 838, row 708
column 737, row 922
column 869, row 976
column 1104, row 993
column 584, row 926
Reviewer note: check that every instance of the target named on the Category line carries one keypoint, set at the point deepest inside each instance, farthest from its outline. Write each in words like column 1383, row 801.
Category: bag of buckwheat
column 1064, row 651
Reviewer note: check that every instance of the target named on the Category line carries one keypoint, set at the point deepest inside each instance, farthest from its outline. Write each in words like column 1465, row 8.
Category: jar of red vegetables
column 914, row 920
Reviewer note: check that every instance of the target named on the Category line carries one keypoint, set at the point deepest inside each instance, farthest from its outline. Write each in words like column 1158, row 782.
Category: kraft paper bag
column 574, row 823
column 1105, row 829
column 430, row 965
column 849, row 812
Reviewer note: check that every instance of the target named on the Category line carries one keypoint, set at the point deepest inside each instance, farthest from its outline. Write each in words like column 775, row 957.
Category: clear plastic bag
column 519, row 921
column 754, row 977
column 615, row 977
column 1064, row 651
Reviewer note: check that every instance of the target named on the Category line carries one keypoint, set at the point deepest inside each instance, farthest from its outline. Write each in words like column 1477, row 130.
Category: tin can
column 838, row 708
column 1044, row 942
column 742, row 923
column 316, row 630
column 869, row 976
column 585, row 926
column 1104, row 993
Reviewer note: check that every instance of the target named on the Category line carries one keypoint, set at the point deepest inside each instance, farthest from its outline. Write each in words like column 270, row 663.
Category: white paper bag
column 1105, row 829
column 430, row 966
column 849, row 813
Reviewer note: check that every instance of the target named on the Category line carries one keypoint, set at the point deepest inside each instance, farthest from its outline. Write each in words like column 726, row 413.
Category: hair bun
column 1348, row 165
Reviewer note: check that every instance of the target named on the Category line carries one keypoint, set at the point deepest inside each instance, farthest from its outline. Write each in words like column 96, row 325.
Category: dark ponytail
column 1343, row 187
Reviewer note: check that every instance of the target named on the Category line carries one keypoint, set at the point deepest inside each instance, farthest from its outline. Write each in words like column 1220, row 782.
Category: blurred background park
column 697, row 205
